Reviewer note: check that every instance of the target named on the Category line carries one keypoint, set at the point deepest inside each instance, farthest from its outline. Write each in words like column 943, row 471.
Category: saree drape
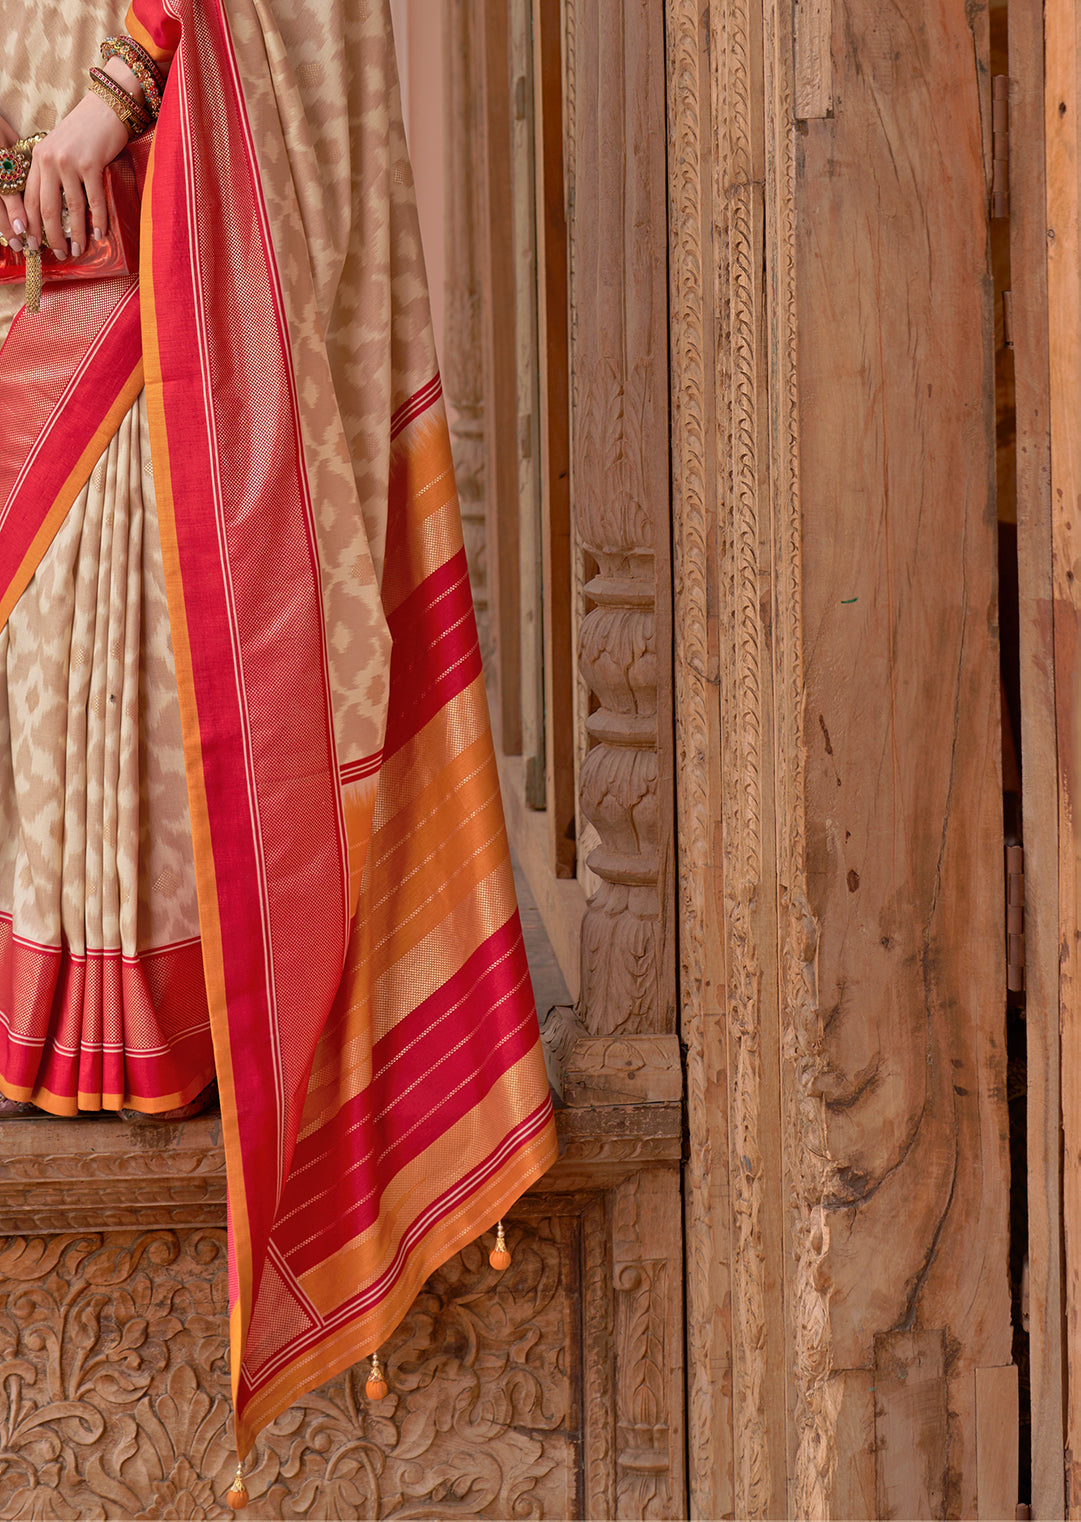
column 383, row 1095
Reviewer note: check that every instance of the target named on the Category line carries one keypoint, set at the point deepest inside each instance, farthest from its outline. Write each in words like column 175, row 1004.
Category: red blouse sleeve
column 158, row 32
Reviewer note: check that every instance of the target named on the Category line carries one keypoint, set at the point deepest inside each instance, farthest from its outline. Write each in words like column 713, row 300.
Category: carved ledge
column 67, row 1175
column 70, row 1175
column 623, row 1070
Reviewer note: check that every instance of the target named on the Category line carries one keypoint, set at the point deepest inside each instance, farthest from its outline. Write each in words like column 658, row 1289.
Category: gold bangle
column 118, row 100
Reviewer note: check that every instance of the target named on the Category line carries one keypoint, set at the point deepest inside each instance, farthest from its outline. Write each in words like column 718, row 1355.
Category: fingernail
column 60, row 253
column 76, row 250
column 33, row 244
column 97, row 233
column 16, row 245
column 19, row 228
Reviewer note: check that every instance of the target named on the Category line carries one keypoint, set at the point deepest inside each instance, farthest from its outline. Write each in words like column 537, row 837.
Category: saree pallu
column 375, row 1043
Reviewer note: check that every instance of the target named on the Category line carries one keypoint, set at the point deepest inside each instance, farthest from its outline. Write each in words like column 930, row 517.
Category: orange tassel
column 237, row 1494
column 376, row 1387
column 499, row 1257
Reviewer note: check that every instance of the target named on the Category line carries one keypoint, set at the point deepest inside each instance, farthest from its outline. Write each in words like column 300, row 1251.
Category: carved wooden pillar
column 463, row 369
column 621, row 504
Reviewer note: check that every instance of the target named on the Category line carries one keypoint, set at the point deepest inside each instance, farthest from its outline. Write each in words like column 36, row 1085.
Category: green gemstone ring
column 14, row 169
column 15, row 165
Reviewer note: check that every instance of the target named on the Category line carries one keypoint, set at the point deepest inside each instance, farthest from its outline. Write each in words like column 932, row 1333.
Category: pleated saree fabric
column 360, row 965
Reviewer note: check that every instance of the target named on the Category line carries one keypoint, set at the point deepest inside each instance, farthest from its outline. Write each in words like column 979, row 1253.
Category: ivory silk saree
column 250, row 814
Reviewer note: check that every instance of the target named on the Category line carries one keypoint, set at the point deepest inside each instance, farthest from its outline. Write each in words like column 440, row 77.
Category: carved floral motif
column 114, row 1398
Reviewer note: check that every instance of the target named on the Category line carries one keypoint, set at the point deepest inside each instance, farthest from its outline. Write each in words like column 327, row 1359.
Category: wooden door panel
column 903, row 709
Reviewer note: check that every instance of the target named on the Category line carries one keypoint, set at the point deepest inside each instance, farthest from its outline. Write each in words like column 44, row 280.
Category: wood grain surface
column 1063, row 129
column 903, row 705
column 1039, row 750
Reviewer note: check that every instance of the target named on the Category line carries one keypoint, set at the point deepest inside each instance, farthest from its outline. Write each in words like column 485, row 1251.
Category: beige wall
column 418, row 28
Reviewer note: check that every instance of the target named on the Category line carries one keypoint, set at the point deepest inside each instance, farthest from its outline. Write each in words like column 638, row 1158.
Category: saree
column 359, row 967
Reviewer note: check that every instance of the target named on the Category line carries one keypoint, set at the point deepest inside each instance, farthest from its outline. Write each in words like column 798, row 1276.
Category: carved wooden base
column 552, row 1390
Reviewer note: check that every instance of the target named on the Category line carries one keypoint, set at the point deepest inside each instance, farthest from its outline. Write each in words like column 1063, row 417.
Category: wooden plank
column 1062, row 120
column 561, row 901
column 903, row 784
column 855, row 1489
column 813, row 26
column 911, row 1438
column 554, row 351
column 524, row 252
column 1039, row 760
column 501, row 410
column 996, row 1444
column 697, row 508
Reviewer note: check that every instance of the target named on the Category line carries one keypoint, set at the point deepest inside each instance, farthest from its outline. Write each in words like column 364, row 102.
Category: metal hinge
column 1015, row 919
column 1000, row 146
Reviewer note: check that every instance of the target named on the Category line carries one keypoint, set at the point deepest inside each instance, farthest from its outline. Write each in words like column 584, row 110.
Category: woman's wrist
column 117, row 69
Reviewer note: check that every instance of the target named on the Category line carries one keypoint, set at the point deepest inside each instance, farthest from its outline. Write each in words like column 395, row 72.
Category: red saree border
column 395, row 1114
column 459, row 1216
column 414, row 406
column 76, row 1044
column 44, row 467
column 263, row 778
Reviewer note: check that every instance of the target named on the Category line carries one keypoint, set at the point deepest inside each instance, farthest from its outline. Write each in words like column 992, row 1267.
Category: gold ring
column 15, row 164
column 14, row 171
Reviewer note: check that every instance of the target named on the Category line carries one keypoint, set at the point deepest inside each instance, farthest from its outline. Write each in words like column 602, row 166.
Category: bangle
column 141, row 64
column 114, row 95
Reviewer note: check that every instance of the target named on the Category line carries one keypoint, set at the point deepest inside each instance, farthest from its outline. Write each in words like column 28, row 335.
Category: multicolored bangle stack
column 136, row 116
column 141, row 64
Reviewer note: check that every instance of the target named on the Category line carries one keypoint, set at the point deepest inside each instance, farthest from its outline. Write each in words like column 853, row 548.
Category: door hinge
column 1000, row 146
column 1015, row 919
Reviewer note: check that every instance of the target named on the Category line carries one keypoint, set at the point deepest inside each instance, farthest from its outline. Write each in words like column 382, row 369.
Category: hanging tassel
column 499, row 1257
column 237, row 1495
column 376, row 1386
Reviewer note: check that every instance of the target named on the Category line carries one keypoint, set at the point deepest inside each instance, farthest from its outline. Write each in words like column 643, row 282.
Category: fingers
column 76, row 220
column 13, row 221
column 97, row 205
column 32, row 203
column 48, row 212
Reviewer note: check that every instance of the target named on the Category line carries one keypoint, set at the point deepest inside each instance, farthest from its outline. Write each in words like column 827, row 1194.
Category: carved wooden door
column 838, row 727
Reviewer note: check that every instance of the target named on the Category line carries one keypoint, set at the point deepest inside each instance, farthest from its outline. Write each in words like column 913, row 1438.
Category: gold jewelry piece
column 15, row 164
column 14, row 172
column 117, row 99
column 33, row 281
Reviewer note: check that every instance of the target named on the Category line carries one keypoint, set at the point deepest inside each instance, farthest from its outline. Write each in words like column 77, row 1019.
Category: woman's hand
column 70, row 163
column 8, row 135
